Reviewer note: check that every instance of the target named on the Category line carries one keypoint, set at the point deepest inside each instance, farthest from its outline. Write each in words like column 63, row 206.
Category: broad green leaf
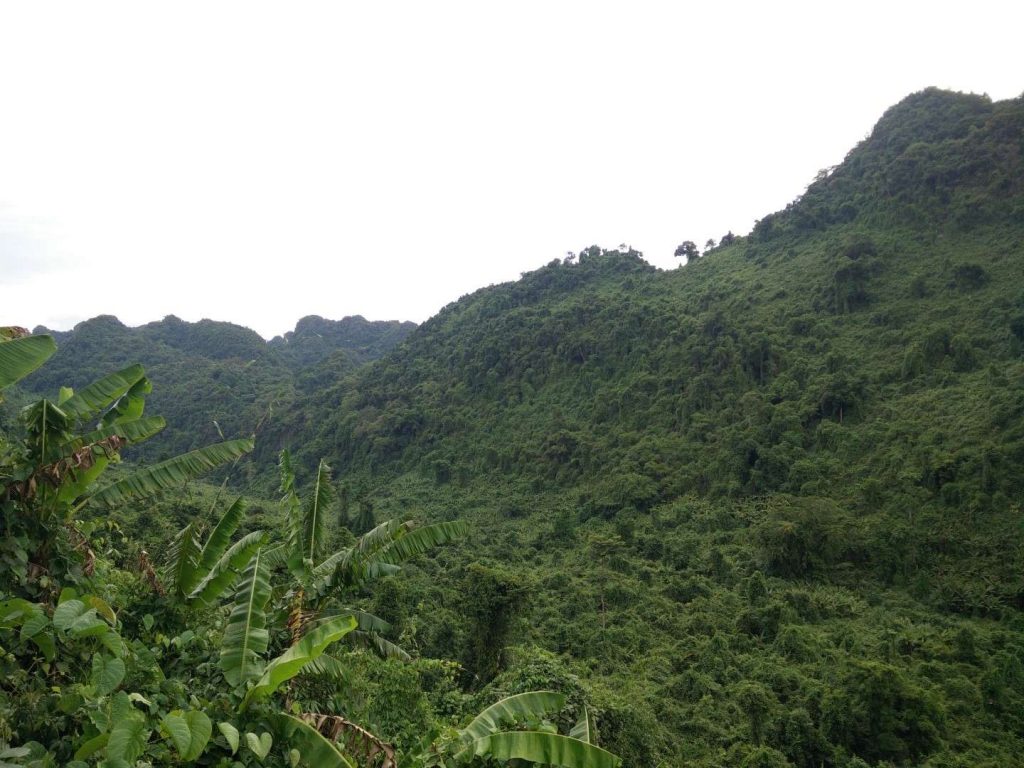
column 381, row 536
column 189, row 732
column 130, row 405
column 230, row 733
column 227, row 569
column 128, row 737
column 45, row 644
column 259, row 745
column 511, row 710
column 102, row 608
column 112, row 642
column 291, row 662
column 92, row 746
column 315, row 514
column 171, row 473
column 19, row 357
column 384, row 648
column 220, row 536
column 585, row 730
column 183, row 561
column 134, row 430
column 316, row 749
column 545, row 749
column 327, row 666
column 245, row 635
column 107, row 673
column 76, row 617
column 293, row 515
column 91, row 400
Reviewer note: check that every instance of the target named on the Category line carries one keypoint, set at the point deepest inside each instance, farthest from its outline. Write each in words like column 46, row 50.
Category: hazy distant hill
column 209, row 374
column 315, row 338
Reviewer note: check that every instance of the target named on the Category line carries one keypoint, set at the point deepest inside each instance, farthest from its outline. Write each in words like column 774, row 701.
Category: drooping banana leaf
column 511, row 710
column 245, row 635
column 220, row 537
column 132, row 430
column 291, row 662
column 383, row 647
column 419, row 540
column 81, row 480
column 183, row 559
column 379, row 537
column 327, row 666
column 313, row 746
column 545, row 749
column 585, row 728
column 90, row 401
column 315, row 514
column 226, row 570
column 19, row 357
column 171, row 473
column 293, row 515
column 131, row 404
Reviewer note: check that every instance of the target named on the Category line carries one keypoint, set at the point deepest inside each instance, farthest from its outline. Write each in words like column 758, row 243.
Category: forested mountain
column 761, row 510
column 770, row 500
column 211, row 377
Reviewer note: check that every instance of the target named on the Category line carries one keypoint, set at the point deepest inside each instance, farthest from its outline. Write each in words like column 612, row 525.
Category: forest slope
column 212, row 377
column 754, row 489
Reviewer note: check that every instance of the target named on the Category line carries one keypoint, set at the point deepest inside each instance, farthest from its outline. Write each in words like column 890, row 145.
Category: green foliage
column 21, row 355
column 760, row 511
column 245, row 635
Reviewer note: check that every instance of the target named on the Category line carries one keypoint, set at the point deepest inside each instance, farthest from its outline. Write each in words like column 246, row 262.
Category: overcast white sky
column 257, row 162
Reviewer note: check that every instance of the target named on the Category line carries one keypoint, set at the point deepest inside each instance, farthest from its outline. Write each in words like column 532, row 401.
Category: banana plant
column 319, row 579
column 53, row 472
column 493, row 734
column 20, row 354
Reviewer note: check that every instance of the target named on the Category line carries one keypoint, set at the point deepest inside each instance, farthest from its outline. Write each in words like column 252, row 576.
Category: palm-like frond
column 416, row 541
column 315, row 514
column 130, row 405
column 245, row 635
column 171, row 473
column 19, row 357
column 316, row 748
column 545, row 749
column 222, row 574
column 132, row 430
column 93, row 399
column 511, row 710
column 291, row 662
column 220, row 536
column 293, row 514
column 183, row 559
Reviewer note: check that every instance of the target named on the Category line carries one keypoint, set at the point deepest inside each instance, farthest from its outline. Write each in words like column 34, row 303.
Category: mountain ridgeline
column 212, row 377
column 767, row 503
column 761, row 510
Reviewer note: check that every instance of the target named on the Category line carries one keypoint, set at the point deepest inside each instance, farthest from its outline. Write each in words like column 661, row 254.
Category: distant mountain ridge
column 213, row 377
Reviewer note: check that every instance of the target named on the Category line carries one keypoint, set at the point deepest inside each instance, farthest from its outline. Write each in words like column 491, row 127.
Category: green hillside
column 766, row 501
column 762, row 510
column 214, row 377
